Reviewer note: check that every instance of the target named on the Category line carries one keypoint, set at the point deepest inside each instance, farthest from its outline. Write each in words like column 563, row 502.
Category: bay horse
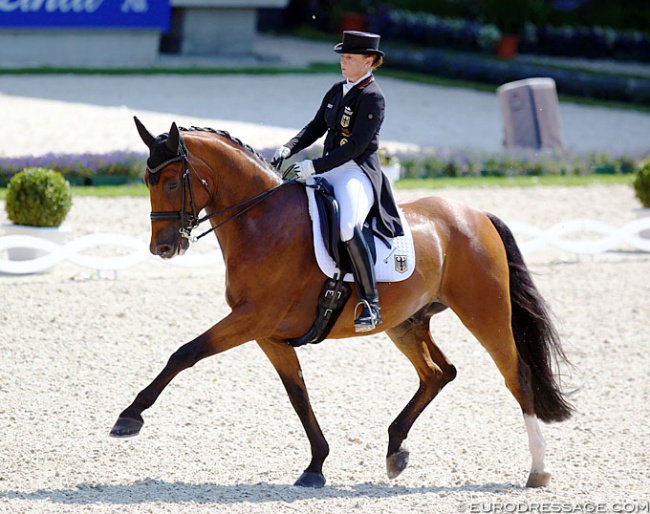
column 467, row 261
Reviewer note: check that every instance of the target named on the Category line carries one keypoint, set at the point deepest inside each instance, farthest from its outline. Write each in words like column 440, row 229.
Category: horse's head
column 174, row 202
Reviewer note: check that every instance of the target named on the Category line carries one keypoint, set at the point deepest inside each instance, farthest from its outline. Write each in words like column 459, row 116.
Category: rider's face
column 355, row 66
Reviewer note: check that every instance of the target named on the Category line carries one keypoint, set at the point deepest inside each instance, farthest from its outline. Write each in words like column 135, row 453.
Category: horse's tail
column 537, row 339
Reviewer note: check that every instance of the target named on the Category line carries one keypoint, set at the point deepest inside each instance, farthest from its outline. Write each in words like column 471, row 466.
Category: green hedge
column 436, row 163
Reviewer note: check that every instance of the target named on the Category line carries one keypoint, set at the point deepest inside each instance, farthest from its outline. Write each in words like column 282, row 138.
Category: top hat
column 355, row 42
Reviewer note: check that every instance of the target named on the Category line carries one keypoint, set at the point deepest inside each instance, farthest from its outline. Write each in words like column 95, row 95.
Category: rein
column 255, row 200
column 190, row 221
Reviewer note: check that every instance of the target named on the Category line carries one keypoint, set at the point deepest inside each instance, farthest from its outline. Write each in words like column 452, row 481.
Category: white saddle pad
column 393, row 264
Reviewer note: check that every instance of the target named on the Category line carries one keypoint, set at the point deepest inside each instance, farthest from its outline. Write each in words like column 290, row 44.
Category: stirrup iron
column 366, row 324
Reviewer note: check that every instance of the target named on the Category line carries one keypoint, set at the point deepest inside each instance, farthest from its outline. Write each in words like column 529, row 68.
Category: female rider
column 351, row 114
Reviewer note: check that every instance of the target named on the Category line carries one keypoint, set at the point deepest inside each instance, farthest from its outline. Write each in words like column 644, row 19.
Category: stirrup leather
column 369, row 318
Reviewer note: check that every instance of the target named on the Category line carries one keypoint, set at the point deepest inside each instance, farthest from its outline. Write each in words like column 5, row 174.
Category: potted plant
column 352, row 15
column 510, row 18
column 37, row 202
column 641, row 186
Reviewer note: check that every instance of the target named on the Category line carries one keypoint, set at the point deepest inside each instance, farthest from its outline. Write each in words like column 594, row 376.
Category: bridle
column 190, row 220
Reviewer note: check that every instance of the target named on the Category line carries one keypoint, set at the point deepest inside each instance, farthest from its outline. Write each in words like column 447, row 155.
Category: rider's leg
column 353, row 191
column 364, row 274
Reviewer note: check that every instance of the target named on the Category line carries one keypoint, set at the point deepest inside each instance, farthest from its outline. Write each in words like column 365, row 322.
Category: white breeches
column 353, row 191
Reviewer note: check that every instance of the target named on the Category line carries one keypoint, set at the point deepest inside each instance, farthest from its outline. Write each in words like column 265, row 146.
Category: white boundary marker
column 556, row 236
column 533, row 240
column 137, row 251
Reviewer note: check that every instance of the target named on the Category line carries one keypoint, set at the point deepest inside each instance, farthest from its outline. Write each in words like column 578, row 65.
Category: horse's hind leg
column 486, row 312
column 284, row 359
column 434, row 370
column 538, row 476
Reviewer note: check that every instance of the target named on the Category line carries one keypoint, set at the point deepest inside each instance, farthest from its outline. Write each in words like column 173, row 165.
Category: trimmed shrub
column 642, row 184
column 38, row 197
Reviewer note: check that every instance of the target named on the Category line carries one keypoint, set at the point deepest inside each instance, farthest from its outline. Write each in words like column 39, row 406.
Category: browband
column 155, row 170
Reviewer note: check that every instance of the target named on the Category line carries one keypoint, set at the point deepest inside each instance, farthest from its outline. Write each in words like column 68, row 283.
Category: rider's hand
column 304, row 170
column 280, row 154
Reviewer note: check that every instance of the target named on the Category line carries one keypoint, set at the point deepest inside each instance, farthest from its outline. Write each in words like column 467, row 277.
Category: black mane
column 226, row 134
column 160, row 153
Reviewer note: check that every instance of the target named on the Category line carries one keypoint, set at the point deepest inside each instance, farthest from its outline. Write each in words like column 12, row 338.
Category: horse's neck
column 242, row 188
column 275, row 217
column 239, row 182
column 238, row 175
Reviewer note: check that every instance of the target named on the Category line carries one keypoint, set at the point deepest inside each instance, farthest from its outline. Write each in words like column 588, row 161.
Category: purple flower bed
column 87, row 169
column 79, row 168
column 469, row 162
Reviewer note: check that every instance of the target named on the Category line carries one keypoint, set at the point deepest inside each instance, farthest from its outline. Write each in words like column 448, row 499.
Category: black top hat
column 355, row 42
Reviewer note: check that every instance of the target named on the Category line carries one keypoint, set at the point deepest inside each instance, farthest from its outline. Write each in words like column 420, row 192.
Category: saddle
column 394, row 259
column 329, row 218
column 336, row 291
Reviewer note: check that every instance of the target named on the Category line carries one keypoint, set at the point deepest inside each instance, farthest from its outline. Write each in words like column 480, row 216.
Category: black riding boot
column 364, row 275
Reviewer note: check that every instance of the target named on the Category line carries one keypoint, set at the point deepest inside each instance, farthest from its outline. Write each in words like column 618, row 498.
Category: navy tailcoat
column 352, row 123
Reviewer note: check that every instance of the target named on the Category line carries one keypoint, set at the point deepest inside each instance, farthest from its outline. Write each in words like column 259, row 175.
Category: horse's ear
column 145, row 135
column 173, row 139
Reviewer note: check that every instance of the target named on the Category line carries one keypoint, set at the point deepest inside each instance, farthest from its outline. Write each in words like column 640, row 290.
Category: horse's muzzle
column 168, row 247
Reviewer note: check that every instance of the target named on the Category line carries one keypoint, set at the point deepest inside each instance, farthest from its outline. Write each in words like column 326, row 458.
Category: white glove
column 281, row 153
column 304, row 170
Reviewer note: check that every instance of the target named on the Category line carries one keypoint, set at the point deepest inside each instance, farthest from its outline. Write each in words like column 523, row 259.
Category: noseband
column 190, row 220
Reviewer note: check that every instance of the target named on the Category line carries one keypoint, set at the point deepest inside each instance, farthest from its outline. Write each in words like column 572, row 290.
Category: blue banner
column 85, row 13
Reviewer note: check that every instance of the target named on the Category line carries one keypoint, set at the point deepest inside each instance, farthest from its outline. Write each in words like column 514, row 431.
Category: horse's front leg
column 233, row 330
column 284, row 359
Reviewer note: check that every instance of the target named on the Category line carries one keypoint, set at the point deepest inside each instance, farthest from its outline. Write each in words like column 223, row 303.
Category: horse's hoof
column 311, row 479
column 539, row 479
column 126, row 427
column 397, row 462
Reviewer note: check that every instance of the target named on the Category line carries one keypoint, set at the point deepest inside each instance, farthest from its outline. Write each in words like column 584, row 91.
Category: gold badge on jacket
column 346, row 136
column 345, row 119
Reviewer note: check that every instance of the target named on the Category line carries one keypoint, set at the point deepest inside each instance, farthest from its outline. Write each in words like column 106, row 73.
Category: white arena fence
column 131, row 251
column 635, row 234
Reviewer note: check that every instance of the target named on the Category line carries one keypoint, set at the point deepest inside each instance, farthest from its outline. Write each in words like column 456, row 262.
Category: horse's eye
column 172, row 186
